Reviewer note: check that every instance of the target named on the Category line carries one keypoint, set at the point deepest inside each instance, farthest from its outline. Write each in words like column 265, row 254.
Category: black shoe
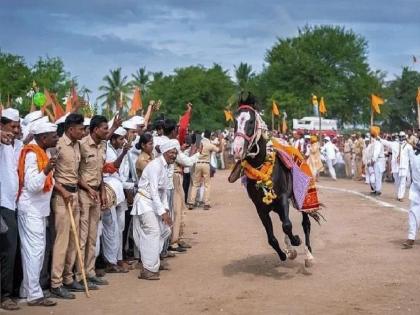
column 97, row 281
column 47, row 293
column 62, row 293
column 178, row 249
column 74, row 287
column 91, row 286
column 184, row 244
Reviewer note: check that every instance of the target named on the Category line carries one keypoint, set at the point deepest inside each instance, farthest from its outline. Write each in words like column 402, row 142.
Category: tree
column 207, row 89
column 15, row 77
column 401, row 103
column 141, row 79
column 115, row 84
column 327, row 61
column 244, row 75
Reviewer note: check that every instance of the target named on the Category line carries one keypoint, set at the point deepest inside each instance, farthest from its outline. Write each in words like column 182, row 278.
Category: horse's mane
column 247, row 98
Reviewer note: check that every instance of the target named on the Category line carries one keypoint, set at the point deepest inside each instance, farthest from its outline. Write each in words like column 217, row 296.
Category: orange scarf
column 42, row 160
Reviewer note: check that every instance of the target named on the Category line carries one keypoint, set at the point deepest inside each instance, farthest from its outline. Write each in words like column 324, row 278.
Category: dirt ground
column 360, row 267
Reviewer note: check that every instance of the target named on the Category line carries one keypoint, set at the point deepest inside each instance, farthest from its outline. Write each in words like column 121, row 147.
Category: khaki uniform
column 412, row 140
column 64, row 250
column 202, row 172
column 92, row 161
column 348, row 153
column 359, row 146
column 178, row 204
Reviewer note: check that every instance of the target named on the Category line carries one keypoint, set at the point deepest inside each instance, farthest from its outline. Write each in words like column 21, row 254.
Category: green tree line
column 327, row 61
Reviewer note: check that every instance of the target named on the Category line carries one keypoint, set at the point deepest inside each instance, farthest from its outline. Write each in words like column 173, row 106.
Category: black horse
column 250, row 145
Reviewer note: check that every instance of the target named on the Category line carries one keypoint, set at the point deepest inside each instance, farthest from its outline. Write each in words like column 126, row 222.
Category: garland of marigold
column 263, row 176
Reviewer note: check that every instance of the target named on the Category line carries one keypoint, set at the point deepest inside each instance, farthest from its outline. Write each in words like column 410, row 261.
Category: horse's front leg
column 268, row 225
column 283, row 211
column 306, row 224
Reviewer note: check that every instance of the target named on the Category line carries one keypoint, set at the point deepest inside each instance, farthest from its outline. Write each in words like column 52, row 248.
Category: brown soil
column 360, row 267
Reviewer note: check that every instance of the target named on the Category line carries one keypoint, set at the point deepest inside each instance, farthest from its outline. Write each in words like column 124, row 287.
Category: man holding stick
column 66, row 192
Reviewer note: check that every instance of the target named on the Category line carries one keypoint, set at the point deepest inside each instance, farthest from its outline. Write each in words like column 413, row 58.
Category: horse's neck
column 259, row 159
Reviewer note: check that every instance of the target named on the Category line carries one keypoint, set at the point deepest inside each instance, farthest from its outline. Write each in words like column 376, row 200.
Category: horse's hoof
column 282, row 256
column 295, row 240
column 309, row 263
column 291, row 254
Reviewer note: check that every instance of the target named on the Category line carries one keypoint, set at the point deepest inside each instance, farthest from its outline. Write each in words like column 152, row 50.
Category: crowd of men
column 82, row 197
column 373, row 158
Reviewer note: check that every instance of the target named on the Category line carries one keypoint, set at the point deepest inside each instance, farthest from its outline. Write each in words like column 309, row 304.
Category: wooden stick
column 418, row 115
column 76, row 241
column 371, row 116
column 272, row 121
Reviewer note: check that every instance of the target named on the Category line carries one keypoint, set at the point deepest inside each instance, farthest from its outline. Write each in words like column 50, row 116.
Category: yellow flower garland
column 263, row 177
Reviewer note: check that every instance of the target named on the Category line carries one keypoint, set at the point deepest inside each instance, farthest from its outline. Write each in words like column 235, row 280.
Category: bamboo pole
column 76, row 241
column 272, row 120
column 371, row 116
column 320, row 126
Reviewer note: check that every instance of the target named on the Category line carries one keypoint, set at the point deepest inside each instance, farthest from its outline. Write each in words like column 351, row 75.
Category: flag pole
column 371, row 116
column 272, row 120
column 320, row 133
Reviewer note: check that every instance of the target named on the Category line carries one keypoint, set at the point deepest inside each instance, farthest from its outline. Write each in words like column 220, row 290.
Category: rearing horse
column 250, row 145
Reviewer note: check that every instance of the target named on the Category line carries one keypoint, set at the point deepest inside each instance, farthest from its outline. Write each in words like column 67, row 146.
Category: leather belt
column 201, row 162
column 70, row 188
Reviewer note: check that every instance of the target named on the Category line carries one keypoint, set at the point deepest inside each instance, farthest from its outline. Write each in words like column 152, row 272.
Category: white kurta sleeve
column 186, row 161
column 34, row 179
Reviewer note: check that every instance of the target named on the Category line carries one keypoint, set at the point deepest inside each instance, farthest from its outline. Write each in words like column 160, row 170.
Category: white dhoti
column 32, row 232
column 402, row 184
column 413, row 219
column 149, row 234
column 331, row 169
column 378, row 170
column 396, row 177
column 110, row 235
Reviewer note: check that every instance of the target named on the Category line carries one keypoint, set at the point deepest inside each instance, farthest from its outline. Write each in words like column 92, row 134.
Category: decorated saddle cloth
column 305, row 196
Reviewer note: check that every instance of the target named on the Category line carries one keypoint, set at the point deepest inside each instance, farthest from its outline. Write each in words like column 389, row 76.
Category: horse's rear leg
column 287, row 226
column 306, row 224
column 268, row 225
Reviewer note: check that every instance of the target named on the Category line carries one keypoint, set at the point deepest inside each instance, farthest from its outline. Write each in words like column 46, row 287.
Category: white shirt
column 9, row 182
column 153, row 186
column 330, row 150
column 114, row 179
column 405, row 158
column 414, row 193
column 378, row 156
column 33, row 200
column 394, row 146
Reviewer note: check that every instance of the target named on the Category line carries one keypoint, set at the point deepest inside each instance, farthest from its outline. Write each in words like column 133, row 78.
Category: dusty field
column 360, row 268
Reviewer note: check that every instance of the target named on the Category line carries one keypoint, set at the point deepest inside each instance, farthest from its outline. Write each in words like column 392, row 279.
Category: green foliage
column 401, row 103
column 244, row 75
column 115, row 84
column 327, row 61
column 207, row 89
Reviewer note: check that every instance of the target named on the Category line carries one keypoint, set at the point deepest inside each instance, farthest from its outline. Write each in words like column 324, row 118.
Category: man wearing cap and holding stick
column 35, row 188
column 66, row 193
column 10, row 148
column 151, row 219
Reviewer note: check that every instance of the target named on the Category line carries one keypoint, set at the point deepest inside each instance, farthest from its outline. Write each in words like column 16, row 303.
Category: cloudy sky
column 93, row 36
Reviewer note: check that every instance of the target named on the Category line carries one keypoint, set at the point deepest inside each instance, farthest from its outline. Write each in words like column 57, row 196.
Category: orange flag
column 418, row 96
column 376, row 101
column 58, row 109
column 322, row 108
column 275, row 109
column 228, row 115
column 49, row 101
column 69, row 105
column 136, row 103
column 284, row 126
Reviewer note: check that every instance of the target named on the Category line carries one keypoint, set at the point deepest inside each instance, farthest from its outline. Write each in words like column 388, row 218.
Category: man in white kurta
column 394, row 146
column 414, row 196
column 330, row 153
column 403, row 165
column 378, row 161
column 33, row 211
column 151, row 221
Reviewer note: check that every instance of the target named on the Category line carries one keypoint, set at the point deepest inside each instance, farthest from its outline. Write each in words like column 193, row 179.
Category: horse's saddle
column 236, row 172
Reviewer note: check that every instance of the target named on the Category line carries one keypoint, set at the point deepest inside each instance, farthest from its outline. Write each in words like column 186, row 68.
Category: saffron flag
column 322, row 108
column 58, row 109
column 48, row 102
column 69, row 105
column 228, row 115
column 376, row 101
column 418, row 96
column 275, row 109
column 74, row 96
column 136, row 103
column 284, row 126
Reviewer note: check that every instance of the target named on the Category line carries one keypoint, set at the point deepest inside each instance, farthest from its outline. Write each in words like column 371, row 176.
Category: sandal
column 9, row 305
column 42, row 302
column 115, row 269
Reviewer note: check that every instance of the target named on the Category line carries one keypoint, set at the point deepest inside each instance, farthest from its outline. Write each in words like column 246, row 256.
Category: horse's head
column 246, row 126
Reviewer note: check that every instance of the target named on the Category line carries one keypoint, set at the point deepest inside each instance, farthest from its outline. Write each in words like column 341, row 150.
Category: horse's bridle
column 252, row 140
